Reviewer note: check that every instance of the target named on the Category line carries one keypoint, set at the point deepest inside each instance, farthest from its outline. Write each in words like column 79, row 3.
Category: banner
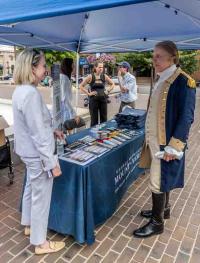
column 56, row 96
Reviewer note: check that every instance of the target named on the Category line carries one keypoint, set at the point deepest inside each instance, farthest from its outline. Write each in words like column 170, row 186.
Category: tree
column 140, row 62
column 53, row 56
column 105, row 58
column 188, row 61
column 109, row 61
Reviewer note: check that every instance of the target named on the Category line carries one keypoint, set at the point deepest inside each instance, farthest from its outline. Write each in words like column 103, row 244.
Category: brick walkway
column 114, row 242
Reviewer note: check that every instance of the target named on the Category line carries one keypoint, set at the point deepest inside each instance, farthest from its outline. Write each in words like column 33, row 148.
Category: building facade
column 7, row 60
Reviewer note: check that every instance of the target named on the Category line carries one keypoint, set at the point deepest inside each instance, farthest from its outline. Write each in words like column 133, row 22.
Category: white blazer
column 33, row 131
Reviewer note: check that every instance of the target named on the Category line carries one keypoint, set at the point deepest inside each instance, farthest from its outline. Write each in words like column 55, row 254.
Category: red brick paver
column 179, row 243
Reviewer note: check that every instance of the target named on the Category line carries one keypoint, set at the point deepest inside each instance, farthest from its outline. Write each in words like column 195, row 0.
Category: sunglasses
column 36, row 57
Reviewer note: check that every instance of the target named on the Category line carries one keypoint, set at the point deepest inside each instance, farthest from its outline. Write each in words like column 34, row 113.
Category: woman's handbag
column 4, row 156
column 72, row 124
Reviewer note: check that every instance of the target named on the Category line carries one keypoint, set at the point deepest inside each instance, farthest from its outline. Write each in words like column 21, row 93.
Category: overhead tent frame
column 62, row 8
column 60, row 45
column 59, row 9
column 24, row 25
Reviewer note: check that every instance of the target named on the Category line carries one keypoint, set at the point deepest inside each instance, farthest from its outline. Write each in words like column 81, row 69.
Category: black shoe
column 150, row 229
column 148, row 213
column 156, row 224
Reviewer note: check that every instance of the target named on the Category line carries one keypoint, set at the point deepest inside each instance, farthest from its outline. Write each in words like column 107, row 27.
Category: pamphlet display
column 100, row 141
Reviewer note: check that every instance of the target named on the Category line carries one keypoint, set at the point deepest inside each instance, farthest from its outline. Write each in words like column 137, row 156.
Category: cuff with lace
column 169, row 150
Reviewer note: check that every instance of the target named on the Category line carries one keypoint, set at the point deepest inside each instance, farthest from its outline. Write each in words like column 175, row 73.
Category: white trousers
column 155, row 169
column 36, row 200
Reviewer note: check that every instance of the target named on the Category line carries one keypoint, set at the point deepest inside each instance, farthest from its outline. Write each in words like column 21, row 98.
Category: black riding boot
column 167, row 206
column 148, row 213
column 156, row 224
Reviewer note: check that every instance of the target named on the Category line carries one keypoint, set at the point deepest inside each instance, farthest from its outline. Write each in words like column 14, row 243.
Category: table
column 86, row 196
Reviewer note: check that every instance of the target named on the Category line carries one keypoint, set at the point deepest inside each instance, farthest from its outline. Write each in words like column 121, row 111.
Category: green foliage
column 141, row 62
column 53, row 56
column 188, row 61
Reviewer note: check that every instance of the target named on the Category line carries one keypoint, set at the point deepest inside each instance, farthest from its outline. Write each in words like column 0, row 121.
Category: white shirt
column 129, row 82
column 67, row 109
column 165, row 75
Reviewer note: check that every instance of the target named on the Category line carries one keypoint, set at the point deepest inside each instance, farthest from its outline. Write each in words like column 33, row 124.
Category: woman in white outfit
column 34, row 143
column 67, row 109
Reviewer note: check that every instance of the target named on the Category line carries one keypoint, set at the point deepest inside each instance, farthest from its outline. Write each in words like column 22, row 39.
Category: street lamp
column 8, row 67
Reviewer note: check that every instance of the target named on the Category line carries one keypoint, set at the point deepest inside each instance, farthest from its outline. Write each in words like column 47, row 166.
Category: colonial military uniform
column 170, row 115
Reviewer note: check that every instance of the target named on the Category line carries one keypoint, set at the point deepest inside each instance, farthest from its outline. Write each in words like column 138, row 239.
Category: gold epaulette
column 191, row 82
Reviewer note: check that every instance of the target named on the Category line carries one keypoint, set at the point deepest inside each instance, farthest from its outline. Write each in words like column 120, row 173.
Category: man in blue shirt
column 128, row 86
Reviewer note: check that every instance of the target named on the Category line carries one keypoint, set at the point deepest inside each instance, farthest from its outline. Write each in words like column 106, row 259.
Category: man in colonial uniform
column 169, row 117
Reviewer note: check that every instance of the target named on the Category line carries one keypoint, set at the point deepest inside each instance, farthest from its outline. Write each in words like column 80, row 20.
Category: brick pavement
column 179, row 243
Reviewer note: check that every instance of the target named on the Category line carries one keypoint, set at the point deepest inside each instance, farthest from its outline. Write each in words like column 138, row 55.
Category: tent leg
column 77, row 84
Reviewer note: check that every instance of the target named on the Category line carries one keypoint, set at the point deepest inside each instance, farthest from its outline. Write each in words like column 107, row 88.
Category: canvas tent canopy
column 100, row 25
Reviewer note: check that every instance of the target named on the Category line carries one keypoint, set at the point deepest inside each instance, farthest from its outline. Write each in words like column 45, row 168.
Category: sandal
column 27, row 231
column 54, row 246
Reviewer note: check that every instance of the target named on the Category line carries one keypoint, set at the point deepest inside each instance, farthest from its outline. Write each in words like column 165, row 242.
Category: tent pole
column 77, row 75
column 77, row 58
column 11, row 43
column 50, row 42
column 151, row 86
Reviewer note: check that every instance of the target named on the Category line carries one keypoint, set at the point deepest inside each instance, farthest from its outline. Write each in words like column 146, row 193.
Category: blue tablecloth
column 85, row 196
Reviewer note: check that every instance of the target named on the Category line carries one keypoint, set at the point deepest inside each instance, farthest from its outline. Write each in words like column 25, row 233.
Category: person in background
column 34, row 143
column 128, row 86
column 67, row 109
column 169, row 118
column 97, row 93
column 47, row 80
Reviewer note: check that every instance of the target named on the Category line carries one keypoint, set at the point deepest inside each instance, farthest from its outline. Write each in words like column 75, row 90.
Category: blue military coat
column 175, row 116
column 179, row 115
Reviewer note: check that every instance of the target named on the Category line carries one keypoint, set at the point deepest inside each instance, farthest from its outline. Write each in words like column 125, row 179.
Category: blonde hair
column 26, row 60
